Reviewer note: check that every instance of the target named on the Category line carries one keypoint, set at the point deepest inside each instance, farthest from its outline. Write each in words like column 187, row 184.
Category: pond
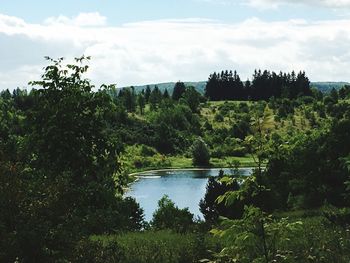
column 184, row 187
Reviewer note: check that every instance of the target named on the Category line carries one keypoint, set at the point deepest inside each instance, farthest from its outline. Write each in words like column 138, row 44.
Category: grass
column 161, row 246
column 182, row 162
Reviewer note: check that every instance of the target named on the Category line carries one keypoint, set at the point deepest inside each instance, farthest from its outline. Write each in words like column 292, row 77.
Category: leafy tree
column 67, row 179
column 169, row 216
column 192, row 99
column 200, row 152
column 210, row 208
column 256, row 237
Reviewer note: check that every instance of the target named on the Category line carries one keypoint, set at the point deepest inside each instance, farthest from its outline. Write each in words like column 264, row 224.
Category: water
column 184, row 187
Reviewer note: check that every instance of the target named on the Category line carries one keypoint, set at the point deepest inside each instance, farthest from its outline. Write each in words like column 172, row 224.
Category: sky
column 137, row 42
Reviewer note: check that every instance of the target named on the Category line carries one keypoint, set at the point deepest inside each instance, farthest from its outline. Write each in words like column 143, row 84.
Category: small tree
column 192, row 98
column 169, row 216
column 200, row 152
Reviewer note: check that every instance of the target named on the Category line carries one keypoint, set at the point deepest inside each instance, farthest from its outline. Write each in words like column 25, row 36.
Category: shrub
column 147, row 151
column 200, row 153
column 161, row 246
column 219, row 117
column 88, row 251
column 169, row 216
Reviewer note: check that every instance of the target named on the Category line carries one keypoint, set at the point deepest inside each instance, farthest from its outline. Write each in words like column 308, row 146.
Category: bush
column 141, row 162
column 147, row 151
column 200, row 153
column 161, row 246
column 169, row 216
column 261, row 238
column 88, row 251
column 219, row 117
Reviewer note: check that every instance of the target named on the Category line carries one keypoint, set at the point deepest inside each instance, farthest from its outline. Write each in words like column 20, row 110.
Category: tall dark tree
column 141, row 102
column 209, row 206
column 147, row 93
column 166, row 94
column 264, row 85
column 179, row 90
column 155, row 98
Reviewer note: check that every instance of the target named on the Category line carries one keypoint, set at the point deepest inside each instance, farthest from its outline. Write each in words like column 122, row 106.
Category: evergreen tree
column 166, row 94
column 179, row 90
column 141, row 102
column 155, row 98
column 147, row 93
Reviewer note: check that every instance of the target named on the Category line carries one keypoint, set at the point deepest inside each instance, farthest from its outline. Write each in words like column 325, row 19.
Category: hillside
column 327, row 86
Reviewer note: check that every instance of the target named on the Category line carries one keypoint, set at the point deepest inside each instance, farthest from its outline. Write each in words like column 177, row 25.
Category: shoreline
column 185, row 169
column 137, row 175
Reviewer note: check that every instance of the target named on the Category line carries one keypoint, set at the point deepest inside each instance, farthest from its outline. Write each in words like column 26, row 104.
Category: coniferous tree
column 155, row 98
column 141, row 102
column 147, row 93
column 166, row 94
column 265, row 84
column 179, row 90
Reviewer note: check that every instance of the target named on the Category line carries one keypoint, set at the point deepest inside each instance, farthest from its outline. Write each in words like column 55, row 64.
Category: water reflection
column 184, row 187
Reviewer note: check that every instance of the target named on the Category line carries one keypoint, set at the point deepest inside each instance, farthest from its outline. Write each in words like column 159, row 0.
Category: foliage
column 157, row 246
column 66, row 149
column 200, row 153
column 261, row 238
column 264, row 85
column 169, row 216
column 210, row 208
column 294, row 182
column 60, row 180
column 179, row 90
column 97, row 252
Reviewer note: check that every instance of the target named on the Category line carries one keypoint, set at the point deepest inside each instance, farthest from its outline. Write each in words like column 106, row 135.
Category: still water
column 184, row 187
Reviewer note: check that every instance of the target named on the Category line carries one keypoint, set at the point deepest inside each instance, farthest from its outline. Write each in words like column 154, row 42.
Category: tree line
column 228, row 85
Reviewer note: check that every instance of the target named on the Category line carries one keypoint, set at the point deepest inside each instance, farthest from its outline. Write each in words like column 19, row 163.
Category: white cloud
column 83, row 19
column 268, row 4
column 171, row 50
column 273, row 4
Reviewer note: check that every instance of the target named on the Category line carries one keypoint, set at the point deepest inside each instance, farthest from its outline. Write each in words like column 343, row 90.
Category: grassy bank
column 157, row 162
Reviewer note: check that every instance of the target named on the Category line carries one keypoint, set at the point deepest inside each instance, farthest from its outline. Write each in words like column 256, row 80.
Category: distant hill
column 200, row 86
column 328, row 86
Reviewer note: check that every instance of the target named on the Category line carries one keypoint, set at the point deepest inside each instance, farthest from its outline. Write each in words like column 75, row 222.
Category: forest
column 68, row 150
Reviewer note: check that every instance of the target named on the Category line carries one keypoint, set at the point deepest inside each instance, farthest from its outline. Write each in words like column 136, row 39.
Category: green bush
column 261, row 238
column 159, row 247
column 200, row 153
column 219, row 117
column 147, row 151
column 88, row 251
column 169, row 216
column 141, row 162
